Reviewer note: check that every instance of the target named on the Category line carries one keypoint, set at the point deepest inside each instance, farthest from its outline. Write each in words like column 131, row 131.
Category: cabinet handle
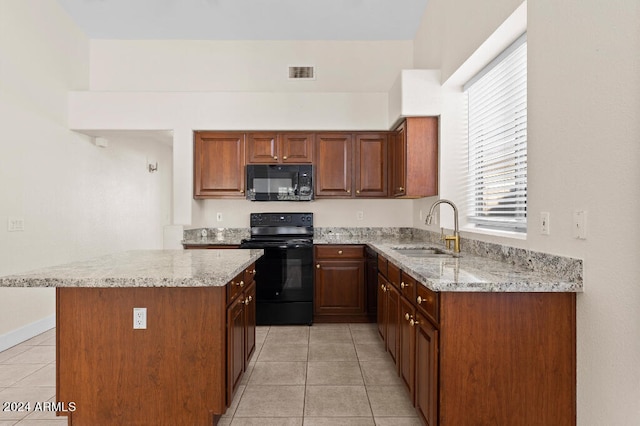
column 348, row 191
column 284, row 158
column 413, row 322
column 401, row 189
column 406, row 316
column 317, row 266
column 357, row 191
column 402, row 284
column 241, row 284
column 250, row 298
column 275, row 157
column 339, row 251
column 419, row 300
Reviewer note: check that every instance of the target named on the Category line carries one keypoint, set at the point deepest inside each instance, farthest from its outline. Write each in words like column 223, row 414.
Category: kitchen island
column 182, row 367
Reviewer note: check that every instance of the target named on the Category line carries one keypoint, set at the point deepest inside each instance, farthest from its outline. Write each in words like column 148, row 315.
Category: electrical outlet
column 219, row 217
column 580, row 224
column 15, row 224
column 360, row 215
column 544, row 223
column 139, row 318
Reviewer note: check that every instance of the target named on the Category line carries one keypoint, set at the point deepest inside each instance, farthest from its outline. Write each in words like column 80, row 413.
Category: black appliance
column 285, row 182
column 284, row 275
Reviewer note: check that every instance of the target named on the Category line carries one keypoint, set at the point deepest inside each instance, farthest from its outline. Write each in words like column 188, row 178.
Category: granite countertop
column 471, row 273
column 502, row 269
column 481, row 267
column 142, row 268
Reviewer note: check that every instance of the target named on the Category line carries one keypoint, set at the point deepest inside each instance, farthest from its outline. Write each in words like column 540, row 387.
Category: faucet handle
column 442, row 236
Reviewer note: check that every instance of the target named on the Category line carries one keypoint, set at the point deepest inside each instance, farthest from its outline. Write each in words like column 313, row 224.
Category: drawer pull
column 413, row 322
column 241, row 283
column 317, row 266
column 419, row 300
column 402, row 284
column 406, row 316
column 284, row 158
column 339, row 251
column 275, row 157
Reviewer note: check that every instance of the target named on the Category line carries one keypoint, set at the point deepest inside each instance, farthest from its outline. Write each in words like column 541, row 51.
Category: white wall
column 77, row 200
column 583, row 150
column 247, row 66
column 327, row 213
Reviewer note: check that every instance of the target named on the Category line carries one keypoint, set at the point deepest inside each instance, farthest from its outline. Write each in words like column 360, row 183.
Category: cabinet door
column 399, row 162
column 393, row 322
column 219, row 165
column 339, row 288
column 371, row 165
column 235, row 346
column 334, row 159
column 262, row 148
column 296, row 147
column 426, row 382
column 250, row 322
column 407, row 344
column 415, row 158
column 382, row 307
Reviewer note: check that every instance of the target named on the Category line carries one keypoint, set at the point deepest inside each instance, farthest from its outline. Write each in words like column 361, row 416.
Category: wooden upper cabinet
column 262, row 148
column 334, row 165
column 414, row 169
column 371, row 165
column 296, row 147
column 219, row 159
column 274, row 148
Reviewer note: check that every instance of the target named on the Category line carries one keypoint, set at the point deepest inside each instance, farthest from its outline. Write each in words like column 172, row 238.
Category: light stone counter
column 142, row 268
column 471, row 273
column 481, row 267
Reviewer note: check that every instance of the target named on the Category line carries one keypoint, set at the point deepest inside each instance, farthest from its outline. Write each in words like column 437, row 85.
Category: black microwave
column 284, row 182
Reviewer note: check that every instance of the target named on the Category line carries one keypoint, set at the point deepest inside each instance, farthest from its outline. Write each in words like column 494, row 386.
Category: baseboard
column 26, row 332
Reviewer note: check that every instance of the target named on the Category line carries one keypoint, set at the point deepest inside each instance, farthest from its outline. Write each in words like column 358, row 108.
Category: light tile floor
column 326, row 374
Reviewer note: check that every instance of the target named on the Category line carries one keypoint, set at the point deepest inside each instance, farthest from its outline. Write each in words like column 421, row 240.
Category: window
column 497, row 126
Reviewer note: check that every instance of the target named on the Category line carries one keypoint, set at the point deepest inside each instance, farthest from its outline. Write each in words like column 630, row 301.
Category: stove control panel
column 281, row 219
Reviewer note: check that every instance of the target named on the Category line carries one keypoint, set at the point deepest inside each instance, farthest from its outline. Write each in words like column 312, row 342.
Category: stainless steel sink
column 424, row 252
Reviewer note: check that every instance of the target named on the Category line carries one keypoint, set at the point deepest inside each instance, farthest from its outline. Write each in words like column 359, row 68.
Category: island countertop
column 142, row 268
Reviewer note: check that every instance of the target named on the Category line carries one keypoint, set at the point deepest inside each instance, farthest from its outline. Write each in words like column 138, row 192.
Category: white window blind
column 497, row 120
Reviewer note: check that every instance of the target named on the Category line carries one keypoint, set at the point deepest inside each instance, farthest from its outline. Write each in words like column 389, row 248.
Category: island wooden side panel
column 171, row 372
column 508, row 359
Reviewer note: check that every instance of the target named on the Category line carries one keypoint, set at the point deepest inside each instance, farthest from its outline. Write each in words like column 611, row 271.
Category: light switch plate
column 544, row 223
column 15, row 224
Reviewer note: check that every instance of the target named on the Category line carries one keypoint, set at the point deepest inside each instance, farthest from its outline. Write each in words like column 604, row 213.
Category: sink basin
column 423, row 252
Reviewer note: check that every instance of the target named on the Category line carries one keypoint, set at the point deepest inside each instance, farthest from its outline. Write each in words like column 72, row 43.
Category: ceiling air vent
column 302, row 73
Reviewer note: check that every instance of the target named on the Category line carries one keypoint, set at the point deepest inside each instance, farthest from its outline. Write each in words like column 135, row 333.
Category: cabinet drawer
column 382, row 265
column 339, row 252
column 408, row 286
column 393, row 275
column 235, row 287
column 427, row 302
column 250, row 273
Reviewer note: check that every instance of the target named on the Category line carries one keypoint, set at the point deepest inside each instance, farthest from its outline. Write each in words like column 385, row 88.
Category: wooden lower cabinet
column 339, row 286
column 197, row 340
column 407, row 340
column 426, row 370
column 482, row 358
column 382, row 306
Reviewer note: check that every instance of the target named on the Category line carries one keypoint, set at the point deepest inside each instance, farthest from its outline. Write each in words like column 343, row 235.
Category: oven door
column 285, row 275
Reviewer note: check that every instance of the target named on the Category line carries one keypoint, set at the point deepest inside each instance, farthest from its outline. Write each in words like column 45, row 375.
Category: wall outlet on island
column 360, row 215
column 139, row 318
column 219, row 217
